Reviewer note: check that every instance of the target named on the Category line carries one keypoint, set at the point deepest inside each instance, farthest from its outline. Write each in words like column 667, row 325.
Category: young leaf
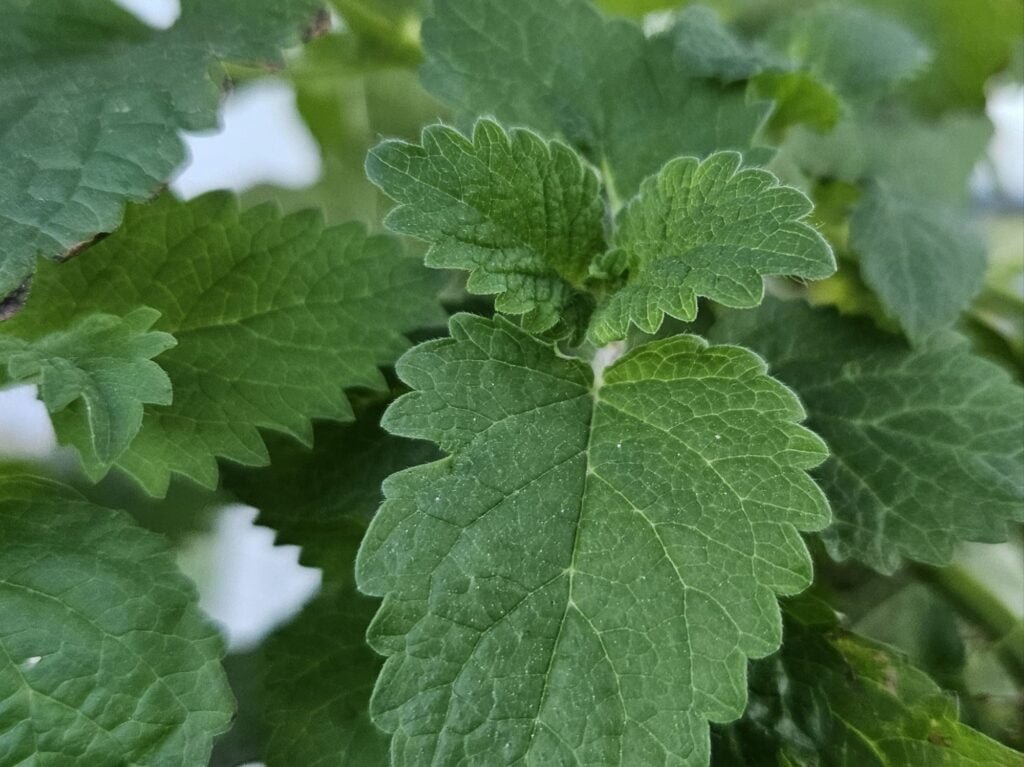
column 104, row 655
column 927, row 443
column 274, row 317
column 584, row 577
column 561, row 68
column 94, row 378
column 92, row 101
column 708, row 229
column 525, row 216
column 833, row 698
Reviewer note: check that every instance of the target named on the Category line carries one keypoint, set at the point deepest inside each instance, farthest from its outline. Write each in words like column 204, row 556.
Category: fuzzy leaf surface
column 591, row 557
column 562, row 68
column 707, row 228
column 927, row 442
column 104, row 655
column 94, row 378
column 91, row 103
column 274, row 317
column 523, row 215
column 831, row 698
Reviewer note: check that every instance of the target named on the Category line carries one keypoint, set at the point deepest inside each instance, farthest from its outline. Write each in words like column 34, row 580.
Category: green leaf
column 322, row 499
column 104, row 656
column 94, row 378
column 92, row 101
column 706, row 47
column 971, row 42
column 318, row 671
column 927, row 442
column 274, row 316
column 561, row 68
column 523, row 215
column 318, row 676
column 832, row 698
column 862, row 54
column 709, row 229
column 923, row 260
column 917, row 248
column 593, row 556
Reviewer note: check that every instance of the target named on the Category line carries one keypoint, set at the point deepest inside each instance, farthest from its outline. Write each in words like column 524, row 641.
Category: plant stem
column 399, row 38
column 978, row 605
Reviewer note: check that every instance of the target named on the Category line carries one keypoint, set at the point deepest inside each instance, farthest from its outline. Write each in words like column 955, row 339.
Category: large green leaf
column 274, row 317
column 560, row 67
column 94, row 378
column 525, row 216
column 91, row 102
column 710, row 229
column 584, row 577
column 830, row 698
column 927, row 443
column 104, row 656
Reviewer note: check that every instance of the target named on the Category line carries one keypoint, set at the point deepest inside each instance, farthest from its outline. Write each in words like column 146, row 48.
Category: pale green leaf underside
column 708, row 228
column 832, row 698
column 274, row 317
column 583, row 579
column 861, row 54
column 560, row 67
column 927, row 443
column 94, row 378
column 910, row 229
column 91, row 102
column 923, row 259
column 523, row 215
column 104, row 656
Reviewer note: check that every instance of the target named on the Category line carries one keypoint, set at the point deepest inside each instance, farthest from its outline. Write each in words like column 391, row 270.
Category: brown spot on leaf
column 74, row 250
column 12, row 304
column 318, row 27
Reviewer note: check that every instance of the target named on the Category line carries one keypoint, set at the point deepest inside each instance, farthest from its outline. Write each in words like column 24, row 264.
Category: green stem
column 399, row 38
column 977, row 604
column 609, row 185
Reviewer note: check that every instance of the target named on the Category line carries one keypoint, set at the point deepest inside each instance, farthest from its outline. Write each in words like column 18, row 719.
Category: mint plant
column 637, row 377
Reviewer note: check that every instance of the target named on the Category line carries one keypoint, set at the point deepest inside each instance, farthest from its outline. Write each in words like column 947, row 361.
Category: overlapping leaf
column 910, row 229
column 104, row 656
column 525, row 216
column 585, row 575
column 559, row 67
column 317, row 672
column 709, row 229
column 274, row 317
column 835, row 699
column 927, row 443
column 94, row 378
column 322, row 499
column 91, row 102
